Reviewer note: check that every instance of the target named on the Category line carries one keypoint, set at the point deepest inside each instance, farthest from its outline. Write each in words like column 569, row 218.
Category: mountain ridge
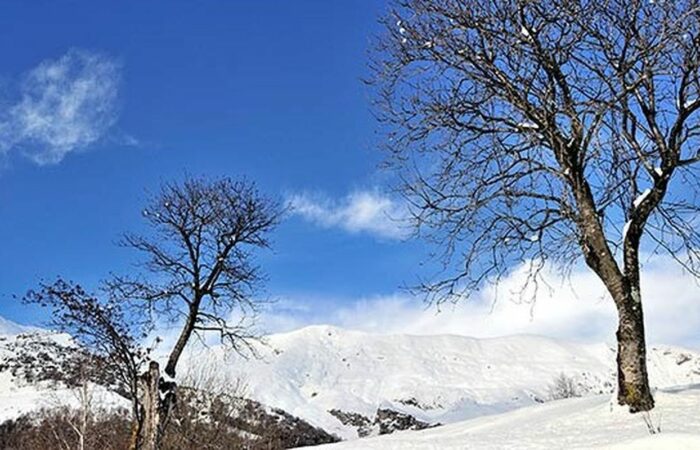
column 353, row 383
column 326, row 374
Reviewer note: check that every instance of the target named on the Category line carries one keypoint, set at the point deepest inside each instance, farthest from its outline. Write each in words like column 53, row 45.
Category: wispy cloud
column 64, row 105
column 365, row 211
column 573, row 309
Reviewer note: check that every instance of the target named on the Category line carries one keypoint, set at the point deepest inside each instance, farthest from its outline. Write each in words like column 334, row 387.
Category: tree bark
column 185, row 335
column 151, row 427
column 632, row 376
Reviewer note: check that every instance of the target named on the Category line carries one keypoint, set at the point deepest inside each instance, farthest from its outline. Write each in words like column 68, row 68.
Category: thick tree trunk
column 632, row 377
column 150, row 429
column 157, row 398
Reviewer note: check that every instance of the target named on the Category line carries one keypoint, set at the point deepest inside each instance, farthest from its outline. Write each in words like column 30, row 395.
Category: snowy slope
column 38, row 371
column 582, row 423
column 353, row 384
column 18, row 400
column 18, row 395
column 435, row 379
column 9, row 328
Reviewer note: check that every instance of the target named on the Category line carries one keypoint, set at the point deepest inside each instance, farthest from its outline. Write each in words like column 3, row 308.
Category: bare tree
column 564, row 386
column 80, row 417
column 198, row 274
column 108, row 332
column 528, row 131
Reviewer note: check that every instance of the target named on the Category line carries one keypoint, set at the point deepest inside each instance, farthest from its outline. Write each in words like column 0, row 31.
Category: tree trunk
column 151, row 428
column 157, row 400
column 632, row 377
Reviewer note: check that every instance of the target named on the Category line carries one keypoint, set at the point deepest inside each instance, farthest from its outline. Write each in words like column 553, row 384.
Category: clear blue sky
column 267, row 89
column 102, row 101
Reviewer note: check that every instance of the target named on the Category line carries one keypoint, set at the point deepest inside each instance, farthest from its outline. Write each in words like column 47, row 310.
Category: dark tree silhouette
column 527, row 131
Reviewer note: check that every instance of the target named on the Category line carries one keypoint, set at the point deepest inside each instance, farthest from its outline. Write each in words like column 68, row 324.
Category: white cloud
column 578, row 310
column 64, row 105
column 359, row 212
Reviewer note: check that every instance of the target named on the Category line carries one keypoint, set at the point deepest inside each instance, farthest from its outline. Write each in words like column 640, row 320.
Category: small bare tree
column 209, row 403
column 563, row 386
column 107, row 331
column 527, row 131
column 198, row 274
column 79, row 418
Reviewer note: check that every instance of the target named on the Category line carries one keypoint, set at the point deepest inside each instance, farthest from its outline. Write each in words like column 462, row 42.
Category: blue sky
column 269, row 90
column 102, row 101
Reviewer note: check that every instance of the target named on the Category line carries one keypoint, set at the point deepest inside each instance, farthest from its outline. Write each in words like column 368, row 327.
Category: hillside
column 40, row 370
column 356, row 384
column 9, row 328
column 353, row 384
column 582, row 423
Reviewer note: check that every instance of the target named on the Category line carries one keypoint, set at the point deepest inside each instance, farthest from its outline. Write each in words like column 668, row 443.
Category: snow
column 20, row 400
column 638, row 201
column 528, row 125
column 581, row 423
column 625, row 229
column 166, row 378
column 18, row 397
column 9, row 328
column 315, row 369
column 474, row 385
column 677, row 441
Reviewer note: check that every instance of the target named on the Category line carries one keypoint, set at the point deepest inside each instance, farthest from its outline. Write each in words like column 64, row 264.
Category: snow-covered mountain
column 354, row 384
column 357, row 384
column 33, row 371
column 44, row 370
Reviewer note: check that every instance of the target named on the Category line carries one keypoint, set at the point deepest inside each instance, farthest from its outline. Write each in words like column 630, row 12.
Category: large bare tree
column 529, row 131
